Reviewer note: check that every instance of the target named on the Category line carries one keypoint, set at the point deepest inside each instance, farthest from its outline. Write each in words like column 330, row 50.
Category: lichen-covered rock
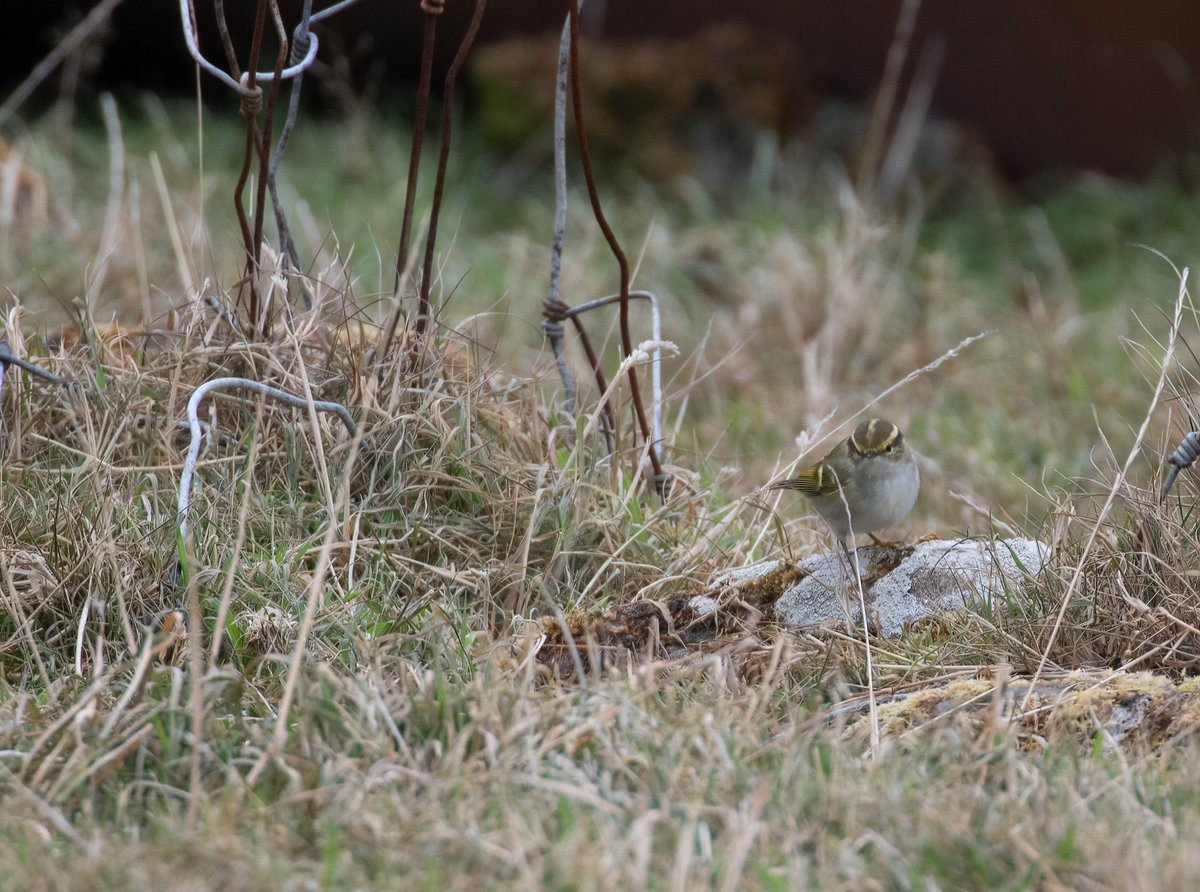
column 901, row 585
column 1131, row 712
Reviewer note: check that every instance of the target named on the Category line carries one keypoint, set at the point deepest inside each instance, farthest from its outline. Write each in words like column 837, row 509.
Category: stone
column 900, row 585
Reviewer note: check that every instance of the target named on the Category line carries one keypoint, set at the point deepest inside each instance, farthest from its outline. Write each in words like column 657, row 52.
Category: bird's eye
column 890, row 447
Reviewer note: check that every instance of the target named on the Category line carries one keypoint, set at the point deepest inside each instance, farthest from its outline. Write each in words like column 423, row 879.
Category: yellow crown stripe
column 871, row 441
column 891, row 438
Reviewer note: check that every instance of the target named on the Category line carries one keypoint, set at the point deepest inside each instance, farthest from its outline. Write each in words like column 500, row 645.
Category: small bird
column 866, row 483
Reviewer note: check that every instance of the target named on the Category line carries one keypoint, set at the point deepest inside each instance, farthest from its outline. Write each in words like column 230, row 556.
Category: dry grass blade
column 1119, row 481
column 460, row 646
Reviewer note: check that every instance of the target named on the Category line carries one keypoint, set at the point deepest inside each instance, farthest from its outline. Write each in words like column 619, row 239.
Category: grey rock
column 901, row 585
column 703, row 605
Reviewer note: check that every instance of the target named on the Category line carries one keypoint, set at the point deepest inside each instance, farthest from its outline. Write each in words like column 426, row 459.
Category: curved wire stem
column 297, row 68
column 194, row 427
column 7, row 358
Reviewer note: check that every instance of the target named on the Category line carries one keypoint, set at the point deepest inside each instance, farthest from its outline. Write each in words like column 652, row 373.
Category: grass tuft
column 476, row 663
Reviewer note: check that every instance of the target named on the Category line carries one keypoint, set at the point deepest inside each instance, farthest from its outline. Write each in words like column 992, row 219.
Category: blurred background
column 825, row 195
column 1101, row 84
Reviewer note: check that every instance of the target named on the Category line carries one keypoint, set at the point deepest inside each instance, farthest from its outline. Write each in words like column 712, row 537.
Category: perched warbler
column 866, row 483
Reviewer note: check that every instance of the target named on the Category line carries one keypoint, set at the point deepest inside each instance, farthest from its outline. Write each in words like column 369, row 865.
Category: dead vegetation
column 466, row 650
column 502, row 655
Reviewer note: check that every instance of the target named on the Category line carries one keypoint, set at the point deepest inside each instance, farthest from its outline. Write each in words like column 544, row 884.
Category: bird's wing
column 825, row 479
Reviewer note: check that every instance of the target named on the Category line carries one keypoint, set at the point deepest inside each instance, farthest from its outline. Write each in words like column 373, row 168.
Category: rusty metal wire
column 304, row 45
column 432, row 10
column 661, row 479
column 248, row 86
column 423, row 306
column 251, row 106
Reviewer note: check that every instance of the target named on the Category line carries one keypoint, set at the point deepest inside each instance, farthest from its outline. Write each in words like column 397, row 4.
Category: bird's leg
column 855, row 567
column 846, row 553
column 855, row 579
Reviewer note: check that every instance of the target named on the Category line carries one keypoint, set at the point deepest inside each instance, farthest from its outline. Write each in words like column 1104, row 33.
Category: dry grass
column 384, row 717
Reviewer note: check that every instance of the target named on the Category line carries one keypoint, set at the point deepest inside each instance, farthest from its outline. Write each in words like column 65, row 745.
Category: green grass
column 415, row 742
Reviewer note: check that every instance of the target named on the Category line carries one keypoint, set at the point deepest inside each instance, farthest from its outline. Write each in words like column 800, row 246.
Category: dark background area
column 1103, row 84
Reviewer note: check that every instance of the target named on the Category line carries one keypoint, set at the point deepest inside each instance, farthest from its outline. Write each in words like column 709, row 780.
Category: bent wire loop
column 301, row 37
